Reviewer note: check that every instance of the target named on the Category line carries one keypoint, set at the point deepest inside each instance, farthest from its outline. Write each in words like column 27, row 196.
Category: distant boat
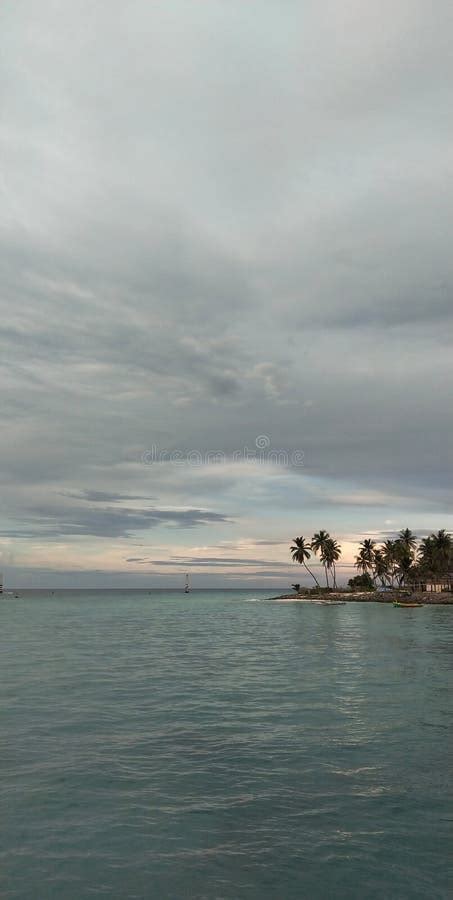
column 187, row 585
column 6, row 593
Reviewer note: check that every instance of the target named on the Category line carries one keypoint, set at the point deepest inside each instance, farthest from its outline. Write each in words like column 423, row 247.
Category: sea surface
column 157, row 745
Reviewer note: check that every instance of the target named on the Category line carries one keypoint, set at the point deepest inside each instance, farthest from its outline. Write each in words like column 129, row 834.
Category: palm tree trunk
column 311, row 573
column 327, row 577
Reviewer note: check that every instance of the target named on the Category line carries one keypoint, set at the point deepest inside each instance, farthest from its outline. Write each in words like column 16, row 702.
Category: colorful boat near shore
column 408, row 605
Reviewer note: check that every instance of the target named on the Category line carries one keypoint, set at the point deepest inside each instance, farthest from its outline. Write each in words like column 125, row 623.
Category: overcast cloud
column 221, row 221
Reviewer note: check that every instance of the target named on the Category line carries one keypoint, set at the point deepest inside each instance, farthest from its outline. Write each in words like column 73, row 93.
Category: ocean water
column 205, row 746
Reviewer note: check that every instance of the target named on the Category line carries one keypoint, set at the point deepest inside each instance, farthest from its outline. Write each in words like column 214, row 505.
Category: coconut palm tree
column 380, row 566
column 426, row 555
column 329, row 556
column 407, row 539
column 364, row 560
column 319, row 542
column 442, row 550
column 405, row 566
column 390, row 555
column 300, row 552
column 435, row 555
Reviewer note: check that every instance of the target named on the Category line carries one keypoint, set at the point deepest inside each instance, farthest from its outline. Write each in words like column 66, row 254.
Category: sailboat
column 187, row 585
column 7, row 593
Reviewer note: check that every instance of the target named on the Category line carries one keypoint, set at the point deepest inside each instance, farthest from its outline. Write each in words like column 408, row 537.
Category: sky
column 226, row 268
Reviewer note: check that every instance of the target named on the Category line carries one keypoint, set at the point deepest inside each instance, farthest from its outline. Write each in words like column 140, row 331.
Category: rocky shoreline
column 427, row 598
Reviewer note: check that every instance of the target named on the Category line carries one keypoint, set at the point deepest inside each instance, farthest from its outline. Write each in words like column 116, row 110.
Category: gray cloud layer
column 220, row 221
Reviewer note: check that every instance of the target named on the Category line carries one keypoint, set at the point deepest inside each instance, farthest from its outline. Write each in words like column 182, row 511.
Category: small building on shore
column 435, row 585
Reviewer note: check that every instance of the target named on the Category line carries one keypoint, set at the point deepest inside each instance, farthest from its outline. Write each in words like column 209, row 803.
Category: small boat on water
column 333, row 602
column 187, row 585
column 7, row 593
column 407, row 605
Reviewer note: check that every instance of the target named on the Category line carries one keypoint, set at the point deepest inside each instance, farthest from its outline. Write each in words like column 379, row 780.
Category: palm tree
column 300, row 552
column 405, row 566
column 407, row 539
column 435, row 556
column 389, row 553
column 426, row 555
column 404, row 546
column 319, row 542
column 380, row 566
column 364, row 560
column 443, row 548
column 336, row 553
column 330, row 555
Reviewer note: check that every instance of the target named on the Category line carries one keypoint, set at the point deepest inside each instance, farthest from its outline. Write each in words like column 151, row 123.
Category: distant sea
column 212, row 745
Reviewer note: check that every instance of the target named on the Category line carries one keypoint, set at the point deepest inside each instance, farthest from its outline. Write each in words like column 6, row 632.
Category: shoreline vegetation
column 405, row 568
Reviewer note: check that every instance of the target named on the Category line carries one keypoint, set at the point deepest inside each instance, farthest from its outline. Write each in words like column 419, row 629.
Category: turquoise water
column 203, row 746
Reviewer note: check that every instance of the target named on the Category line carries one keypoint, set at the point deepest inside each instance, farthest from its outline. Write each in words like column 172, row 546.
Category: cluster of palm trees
column 405, row 560
column 329, row 553
column 394, row 563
